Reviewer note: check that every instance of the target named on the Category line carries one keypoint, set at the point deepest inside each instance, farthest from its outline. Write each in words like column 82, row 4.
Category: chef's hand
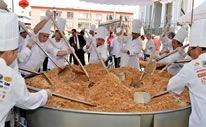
column 49, row 93
column 3, row 5
column 32, row 41
column 70, row 50
column 124, row 51
column 48, row 14
column 181, row 51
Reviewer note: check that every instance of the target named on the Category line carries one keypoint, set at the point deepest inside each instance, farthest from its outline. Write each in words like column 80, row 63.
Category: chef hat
column 93, row 28
column 198, row 34
column 9, row 31
column 21, row 29
column 181, row 34
column 102, row 32
column 136, row 26
column 46, row 28
column 118, row 30
column 61, row 23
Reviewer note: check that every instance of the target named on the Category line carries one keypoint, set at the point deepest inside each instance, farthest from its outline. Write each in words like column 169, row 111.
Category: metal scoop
column 37, row 73
column 144, row 97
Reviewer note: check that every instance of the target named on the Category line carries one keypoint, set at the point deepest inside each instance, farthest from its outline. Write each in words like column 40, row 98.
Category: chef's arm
column 63, row 53
column 38, row 27
column 168, row 59
column 24, row 55
column 177, row 83
column 27, row 100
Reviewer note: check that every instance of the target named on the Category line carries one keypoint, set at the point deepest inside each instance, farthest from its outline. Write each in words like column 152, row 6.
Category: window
column 111, row 17
column 69, row 24
column 84, row 25
column 98, row 16
column 84, row 16
column 124, row 18
column 42, row 13
column 70, row 14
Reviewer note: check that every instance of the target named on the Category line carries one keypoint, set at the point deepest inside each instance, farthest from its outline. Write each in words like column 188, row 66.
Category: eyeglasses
column 190, row 49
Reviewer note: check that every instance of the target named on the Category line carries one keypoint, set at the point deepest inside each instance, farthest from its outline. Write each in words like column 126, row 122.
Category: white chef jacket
column 176, row 67
column 167, row 43
column 132, row 59
column 193, row 76
column 102, row 51
column 13, row 92
column 116, row 46
column 34, row 58
column 90, row 38
column 61, row 45
column 150, row 44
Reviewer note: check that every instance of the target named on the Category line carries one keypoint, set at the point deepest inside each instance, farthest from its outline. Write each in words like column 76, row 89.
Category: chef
column 32, row 56
column 91, row 37
column 13, row 91
column 150, row 46
column 133, row 47
column 116, row 46
column 177, row 43
column 193, row 75
column 100, row 44
column 167, row 42
column 59, row 43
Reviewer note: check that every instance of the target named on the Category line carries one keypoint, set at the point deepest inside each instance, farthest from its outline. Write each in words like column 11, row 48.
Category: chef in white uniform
column 193, row 75
column 167, row 42
column 92, row 36
column 100, row 44
column 177, row 43
column 13, row 91
column 150, row 46
column 32, row 56
column 116, row 46
column 132, row 47
column 59, row 43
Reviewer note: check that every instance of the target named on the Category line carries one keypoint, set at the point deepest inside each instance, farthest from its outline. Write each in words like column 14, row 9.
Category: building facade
column 166, row 11
column 79, row 18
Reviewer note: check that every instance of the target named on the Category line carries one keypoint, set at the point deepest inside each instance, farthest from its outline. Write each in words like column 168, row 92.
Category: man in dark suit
column 77, row 42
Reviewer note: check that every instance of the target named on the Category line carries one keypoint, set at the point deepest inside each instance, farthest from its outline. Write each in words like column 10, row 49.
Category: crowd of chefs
column 19, row 49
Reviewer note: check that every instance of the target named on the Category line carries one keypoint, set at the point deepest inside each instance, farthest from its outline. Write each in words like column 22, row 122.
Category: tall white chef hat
column 46, row 28
column 61, row 23
column 102, row 32
column 92, row 28
column 9, row 31
column 182, row 34
column 118, row 30
column 21, row 29
column 136, row 26
column 198, row 34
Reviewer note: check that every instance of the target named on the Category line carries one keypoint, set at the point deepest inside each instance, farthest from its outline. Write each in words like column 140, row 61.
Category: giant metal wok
column 58, row 117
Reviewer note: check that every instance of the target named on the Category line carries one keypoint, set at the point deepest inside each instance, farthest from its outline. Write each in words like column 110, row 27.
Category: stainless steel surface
column 56, row 117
